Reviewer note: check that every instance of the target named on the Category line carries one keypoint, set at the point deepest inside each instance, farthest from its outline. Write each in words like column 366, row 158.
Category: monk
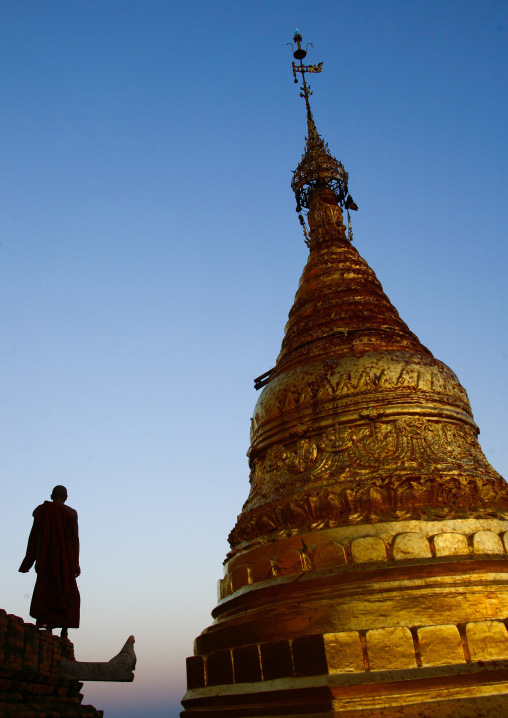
column 53, row 546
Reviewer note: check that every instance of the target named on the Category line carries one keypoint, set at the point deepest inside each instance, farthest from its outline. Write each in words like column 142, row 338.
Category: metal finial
column 300, row 54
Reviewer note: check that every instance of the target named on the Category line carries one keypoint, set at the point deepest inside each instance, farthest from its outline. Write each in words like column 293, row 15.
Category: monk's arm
column 32, row 550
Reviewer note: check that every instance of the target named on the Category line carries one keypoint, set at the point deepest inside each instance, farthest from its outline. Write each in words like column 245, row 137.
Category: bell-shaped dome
column 358, row 421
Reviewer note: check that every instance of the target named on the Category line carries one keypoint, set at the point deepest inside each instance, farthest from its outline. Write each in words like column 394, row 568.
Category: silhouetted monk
column 53, row 546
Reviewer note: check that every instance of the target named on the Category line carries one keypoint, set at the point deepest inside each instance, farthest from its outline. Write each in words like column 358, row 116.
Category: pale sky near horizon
column 150, row 252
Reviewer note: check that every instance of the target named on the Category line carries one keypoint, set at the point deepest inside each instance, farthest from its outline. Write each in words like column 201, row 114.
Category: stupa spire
column 318, row 169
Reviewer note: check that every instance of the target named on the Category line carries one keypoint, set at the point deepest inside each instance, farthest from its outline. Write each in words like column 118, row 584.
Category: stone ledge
column 465, row 691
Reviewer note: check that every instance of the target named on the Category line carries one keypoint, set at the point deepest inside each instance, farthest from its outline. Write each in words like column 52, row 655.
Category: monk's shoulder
column 70, row 511
column 39, row 512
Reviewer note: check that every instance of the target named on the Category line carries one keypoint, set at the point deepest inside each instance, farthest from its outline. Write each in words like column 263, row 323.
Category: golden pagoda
column 368, row 568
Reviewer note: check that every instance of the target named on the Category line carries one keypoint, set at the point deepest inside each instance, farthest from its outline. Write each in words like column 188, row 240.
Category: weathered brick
column 37, row 693
column 31, row 648
column 14, row 642
column 45, row 650
column 67, row 650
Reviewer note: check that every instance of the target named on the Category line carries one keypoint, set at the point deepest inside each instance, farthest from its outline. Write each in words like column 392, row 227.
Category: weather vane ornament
column 318, row 169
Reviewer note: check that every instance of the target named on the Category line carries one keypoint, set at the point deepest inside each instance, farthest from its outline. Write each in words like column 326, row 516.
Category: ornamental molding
column 377, row 470
column 305, row 389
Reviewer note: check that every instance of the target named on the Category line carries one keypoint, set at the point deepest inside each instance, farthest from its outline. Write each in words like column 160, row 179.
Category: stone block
column 343, row 652
column 288, row 562
column 240, row 577
column 369, row 548
column 328, row 555
column 487, row 640
column 487, row 542
column 309, row 657
column 219, row 668
column 411, row 545
column 451, row 544
column 390, row 648
column 247, row 664
column 276, row 660
column 261, row 569
column 440, row 645
column 195, row 672
column 227, row 585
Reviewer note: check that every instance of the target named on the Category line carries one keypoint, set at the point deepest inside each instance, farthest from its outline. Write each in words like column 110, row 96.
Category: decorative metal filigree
column 318, row 168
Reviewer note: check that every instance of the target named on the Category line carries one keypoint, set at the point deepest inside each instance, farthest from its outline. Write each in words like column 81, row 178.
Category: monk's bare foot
column 63, row 633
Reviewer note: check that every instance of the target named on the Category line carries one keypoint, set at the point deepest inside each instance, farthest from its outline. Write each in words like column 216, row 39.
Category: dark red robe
column 56, row 600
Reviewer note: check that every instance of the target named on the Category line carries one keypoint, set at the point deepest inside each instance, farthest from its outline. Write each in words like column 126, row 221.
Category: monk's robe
column 51, row 545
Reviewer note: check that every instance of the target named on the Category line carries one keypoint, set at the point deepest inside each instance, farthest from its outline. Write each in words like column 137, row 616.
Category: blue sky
column 150, row 252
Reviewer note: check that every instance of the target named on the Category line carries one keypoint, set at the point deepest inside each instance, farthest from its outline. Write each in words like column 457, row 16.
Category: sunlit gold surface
column 358, row 422
column 368, row 571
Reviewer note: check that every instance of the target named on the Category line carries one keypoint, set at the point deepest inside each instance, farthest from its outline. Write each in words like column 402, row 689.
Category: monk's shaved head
column 59, row 492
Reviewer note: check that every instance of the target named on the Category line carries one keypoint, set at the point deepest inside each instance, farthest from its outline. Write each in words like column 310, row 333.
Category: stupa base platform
column 477, row 690
column 444, row 583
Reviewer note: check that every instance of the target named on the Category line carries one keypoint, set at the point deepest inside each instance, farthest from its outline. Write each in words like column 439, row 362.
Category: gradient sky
column 150, row 252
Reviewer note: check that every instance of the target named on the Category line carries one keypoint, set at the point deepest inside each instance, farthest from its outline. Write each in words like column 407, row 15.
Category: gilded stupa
column 368, row 568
